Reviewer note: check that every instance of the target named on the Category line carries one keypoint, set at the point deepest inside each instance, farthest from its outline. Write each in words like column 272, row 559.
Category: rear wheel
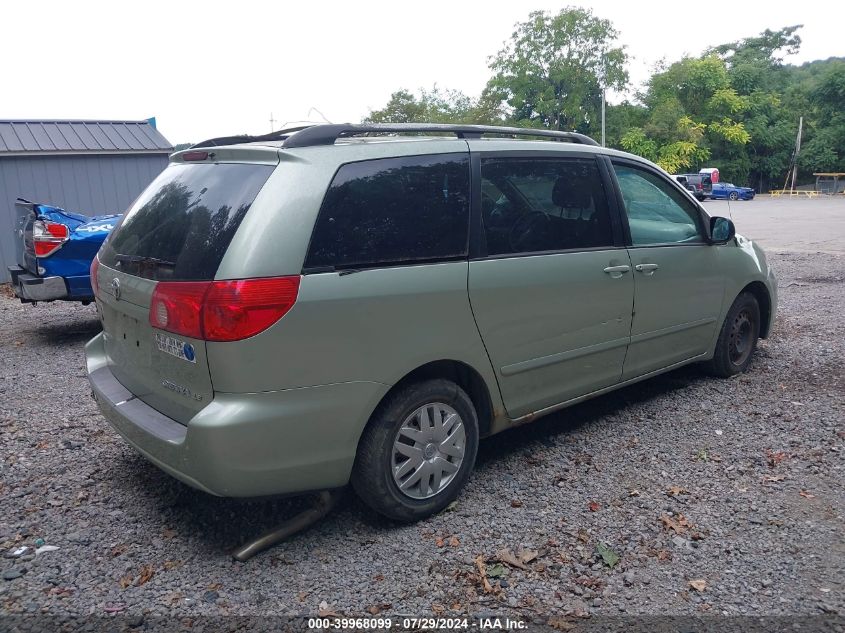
column 733, row 195
column 737, row 338
column 418, row 450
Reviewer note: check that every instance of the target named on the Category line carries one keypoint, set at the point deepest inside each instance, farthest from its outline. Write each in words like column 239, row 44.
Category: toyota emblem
column 115, row 288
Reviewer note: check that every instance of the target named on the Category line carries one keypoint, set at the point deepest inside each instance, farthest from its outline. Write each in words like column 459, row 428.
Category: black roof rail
column 279, row 135
column 327, row 134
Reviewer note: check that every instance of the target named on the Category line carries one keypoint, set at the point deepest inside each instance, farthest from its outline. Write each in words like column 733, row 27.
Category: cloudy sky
column 213, row 68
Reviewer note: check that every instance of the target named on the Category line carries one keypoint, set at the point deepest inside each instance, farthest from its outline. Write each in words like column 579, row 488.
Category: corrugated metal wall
column 92, row 185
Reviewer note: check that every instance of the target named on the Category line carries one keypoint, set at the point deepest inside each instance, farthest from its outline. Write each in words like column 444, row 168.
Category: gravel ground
column 717, row 496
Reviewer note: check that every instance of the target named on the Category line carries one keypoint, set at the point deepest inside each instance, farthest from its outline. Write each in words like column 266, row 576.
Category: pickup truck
column 54, row 251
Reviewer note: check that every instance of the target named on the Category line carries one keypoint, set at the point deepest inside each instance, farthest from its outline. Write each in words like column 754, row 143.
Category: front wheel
column 737, row 338
column 733, row 195
column 418, row 450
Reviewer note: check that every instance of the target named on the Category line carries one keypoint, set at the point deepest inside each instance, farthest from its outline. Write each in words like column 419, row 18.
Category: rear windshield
column 180, row 227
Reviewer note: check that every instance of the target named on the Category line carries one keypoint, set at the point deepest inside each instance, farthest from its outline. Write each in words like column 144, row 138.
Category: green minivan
column 364, row 303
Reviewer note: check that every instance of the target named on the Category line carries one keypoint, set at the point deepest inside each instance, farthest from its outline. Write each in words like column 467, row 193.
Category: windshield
column 181, row 226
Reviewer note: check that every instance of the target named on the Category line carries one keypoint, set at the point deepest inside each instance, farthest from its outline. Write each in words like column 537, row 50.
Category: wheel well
column 761, row 293
column 466, row 377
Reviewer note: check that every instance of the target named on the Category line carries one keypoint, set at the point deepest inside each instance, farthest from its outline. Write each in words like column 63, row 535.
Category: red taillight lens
column 95, row 266
column 238, row 309
column 48, row 237
column 222, row 310
column 176, row 306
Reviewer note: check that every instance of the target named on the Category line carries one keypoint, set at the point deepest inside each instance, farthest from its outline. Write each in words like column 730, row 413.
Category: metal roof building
column 90, row 167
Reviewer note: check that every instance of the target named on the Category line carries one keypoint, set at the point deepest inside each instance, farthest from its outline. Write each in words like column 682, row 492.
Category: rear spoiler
column 27, row 204
column 48, row 211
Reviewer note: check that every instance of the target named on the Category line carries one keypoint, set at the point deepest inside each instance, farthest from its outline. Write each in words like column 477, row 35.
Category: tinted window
column 698, row 179
column 395, row 210
column 533, row 205
column 657, row 212
column 181, row 226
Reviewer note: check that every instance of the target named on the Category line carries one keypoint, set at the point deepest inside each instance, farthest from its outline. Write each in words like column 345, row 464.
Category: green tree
column 825, row 147
column 438, row 106
column 433, row 105
column 622, row 117
column 550, row 73
column 743, row 104
column 757, row 75
column 753, row 61
column 692, row 108
column 735, row 107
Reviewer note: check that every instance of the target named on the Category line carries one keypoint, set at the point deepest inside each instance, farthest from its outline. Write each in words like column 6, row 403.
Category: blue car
column 54, row 252
column 727, row 191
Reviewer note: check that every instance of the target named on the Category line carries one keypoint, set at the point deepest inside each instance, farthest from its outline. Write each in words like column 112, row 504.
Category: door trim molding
column 530, row 417
column 647, row 336
column 552, row 359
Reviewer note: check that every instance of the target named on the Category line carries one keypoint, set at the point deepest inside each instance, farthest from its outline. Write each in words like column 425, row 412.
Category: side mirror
column 722, row 230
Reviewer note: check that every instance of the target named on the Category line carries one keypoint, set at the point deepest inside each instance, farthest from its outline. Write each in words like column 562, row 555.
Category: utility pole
column 797, row 149
column 272, row 123
column 603, row 91
column 602, row 115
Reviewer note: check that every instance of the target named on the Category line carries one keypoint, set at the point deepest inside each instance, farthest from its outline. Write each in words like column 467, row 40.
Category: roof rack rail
column 327, row 134
column 279, row 135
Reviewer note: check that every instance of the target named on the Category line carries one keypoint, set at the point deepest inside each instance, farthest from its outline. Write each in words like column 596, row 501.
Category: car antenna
column 313, row 109
column 730, row 213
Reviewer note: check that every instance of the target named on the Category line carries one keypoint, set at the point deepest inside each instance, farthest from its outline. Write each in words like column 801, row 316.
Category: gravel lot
column 719, row 497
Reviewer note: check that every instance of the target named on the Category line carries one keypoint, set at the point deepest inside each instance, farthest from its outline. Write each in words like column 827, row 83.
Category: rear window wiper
column 144, row 261
column 331, row 269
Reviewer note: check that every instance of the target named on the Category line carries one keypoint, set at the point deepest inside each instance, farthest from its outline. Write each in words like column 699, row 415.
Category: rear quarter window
column 180, row 227
column 393, row 211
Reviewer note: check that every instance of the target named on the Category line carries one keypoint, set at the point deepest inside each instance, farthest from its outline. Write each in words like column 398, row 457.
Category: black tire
column 733, row 195
column 372, row 474
column 737, row 338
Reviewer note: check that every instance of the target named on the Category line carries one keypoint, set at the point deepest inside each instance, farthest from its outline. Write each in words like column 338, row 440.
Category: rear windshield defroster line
column 180, row 227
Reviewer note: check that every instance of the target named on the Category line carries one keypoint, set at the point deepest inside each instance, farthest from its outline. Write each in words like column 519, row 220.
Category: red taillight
column 48, row 237
column 95, row 266
column 222, row 310
column 238, row 309
column 176, row 307
column 699, row 186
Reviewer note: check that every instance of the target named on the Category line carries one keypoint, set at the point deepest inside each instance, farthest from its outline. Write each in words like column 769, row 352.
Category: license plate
column 175, row 347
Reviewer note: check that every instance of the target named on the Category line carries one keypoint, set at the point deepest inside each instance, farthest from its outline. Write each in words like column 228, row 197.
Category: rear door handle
column 617, row 271
column 646, row 269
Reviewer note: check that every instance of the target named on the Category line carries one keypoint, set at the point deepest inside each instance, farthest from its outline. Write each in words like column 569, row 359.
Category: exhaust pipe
column 326, row 500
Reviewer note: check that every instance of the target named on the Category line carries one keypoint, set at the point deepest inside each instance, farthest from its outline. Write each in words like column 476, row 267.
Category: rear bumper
column 245, row 445
column 29, row 287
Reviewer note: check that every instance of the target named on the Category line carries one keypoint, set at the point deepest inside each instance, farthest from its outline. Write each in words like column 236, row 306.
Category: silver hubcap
column 428, row 450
